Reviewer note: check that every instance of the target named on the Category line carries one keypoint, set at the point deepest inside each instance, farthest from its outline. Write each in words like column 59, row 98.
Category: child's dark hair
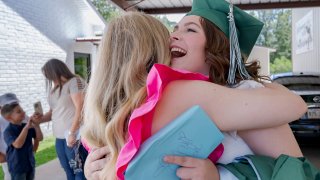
column 7, row 109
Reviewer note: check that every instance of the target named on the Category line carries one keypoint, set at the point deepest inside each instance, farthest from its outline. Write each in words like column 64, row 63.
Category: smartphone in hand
column 38, row 107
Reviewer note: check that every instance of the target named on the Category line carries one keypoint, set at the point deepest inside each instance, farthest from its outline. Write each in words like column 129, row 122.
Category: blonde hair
column 130, row 46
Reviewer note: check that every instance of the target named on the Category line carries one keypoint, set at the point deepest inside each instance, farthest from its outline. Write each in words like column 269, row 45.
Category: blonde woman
column 133, row 43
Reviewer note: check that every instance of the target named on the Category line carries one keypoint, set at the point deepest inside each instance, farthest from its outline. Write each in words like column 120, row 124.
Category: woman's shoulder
column 161, row 75
column 76, row 78
column 76, row 83
column 248, row 84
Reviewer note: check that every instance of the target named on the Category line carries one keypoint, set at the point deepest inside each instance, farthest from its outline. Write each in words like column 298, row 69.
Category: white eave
column 94, row 39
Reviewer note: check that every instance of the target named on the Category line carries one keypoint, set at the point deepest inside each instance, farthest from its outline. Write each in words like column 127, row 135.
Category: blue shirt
column 20, row 160
column 3, row 125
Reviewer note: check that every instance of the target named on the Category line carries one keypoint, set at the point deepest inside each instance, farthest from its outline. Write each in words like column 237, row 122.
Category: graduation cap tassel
column 235, row 53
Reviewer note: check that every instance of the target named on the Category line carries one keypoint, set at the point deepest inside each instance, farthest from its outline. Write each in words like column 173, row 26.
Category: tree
column 276, row 32
column 281, row 65
column 283, row 34
column 164, row 19
column 107, row 11
column 266, row 37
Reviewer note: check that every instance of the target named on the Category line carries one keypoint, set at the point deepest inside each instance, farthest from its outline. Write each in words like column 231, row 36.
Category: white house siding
column 261, row 54
column 308, row 61
column 31, row 32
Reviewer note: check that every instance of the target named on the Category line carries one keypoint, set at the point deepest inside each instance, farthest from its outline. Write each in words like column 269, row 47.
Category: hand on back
column 95, row 162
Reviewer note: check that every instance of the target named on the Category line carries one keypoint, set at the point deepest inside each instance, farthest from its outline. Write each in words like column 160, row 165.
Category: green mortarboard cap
column 217, row 11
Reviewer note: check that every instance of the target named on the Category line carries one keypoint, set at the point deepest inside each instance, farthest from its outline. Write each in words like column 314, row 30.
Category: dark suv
column 308, row 87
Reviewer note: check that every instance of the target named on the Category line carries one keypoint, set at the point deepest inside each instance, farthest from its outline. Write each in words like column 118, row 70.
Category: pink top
column 85, row 145
column 141, row 119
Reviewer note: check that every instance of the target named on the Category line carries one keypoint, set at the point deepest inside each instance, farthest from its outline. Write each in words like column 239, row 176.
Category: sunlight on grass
column 47, row 142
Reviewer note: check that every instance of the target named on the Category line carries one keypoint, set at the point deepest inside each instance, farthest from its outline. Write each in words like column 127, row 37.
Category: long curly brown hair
column 218, row 56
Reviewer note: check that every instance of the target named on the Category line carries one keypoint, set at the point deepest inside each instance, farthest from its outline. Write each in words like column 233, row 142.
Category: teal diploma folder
column 191, row 134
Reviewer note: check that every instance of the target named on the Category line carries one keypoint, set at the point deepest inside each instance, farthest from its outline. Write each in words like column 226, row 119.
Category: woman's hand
column 95, row 162
column 193, row 168
column 36, row 117
column 72, row 139
column 41, row 118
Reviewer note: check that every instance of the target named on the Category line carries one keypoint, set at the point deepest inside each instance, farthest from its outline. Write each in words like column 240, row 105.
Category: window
column 82, row 65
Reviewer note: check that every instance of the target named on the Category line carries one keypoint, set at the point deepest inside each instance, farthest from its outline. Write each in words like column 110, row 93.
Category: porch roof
column 183, row 6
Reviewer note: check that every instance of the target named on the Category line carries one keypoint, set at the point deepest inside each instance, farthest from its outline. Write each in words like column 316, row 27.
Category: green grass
column 46, row 143
column 46, row 152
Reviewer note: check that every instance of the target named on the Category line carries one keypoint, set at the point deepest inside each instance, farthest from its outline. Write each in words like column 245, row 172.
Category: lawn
column 46, row 152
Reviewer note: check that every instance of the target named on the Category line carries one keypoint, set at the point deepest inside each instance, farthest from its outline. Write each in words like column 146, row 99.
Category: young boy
column 5, row 98
column 19, row 136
